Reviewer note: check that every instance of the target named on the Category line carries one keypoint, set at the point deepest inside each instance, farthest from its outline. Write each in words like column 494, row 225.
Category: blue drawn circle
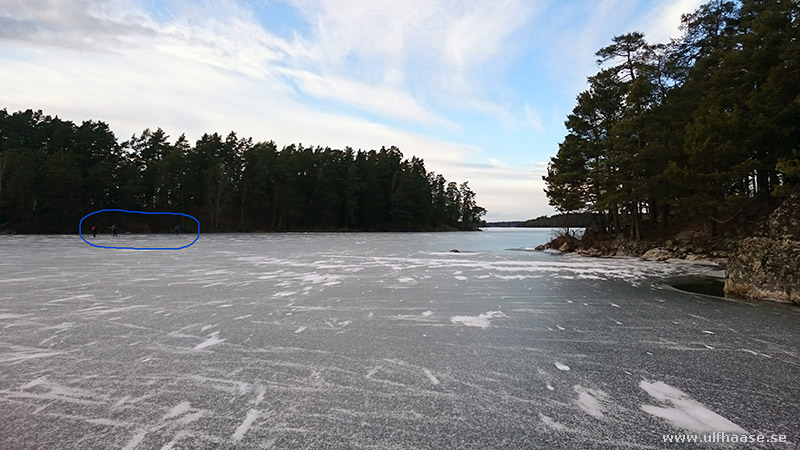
column 80, row 232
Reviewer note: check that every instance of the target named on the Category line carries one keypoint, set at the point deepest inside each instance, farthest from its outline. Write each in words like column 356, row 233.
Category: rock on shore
column 768, row 266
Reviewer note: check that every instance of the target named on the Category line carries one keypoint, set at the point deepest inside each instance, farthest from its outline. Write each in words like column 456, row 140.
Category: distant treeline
column 698, row 128
column 571, row 220
column 568, row 220
column 53, row 172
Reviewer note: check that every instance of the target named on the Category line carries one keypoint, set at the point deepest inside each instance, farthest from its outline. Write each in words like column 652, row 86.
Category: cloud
column 378, row 99
column 440, row 49
column 663, row 23
column 533, row 119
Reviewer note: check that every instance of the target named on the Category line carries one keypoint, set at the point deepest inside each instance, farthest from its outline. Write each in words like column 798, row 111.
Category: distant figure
column 94, row 231
column 114, row 230
column 177, row 229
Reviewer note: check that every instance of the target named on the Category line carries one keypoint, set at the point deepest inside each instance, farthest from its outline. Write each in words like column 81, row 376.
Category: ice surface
column 358, row 340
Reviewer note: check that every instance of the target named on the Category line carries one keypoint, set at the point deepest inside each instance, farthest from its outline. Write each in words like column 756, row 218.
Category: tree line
column 53, row 172
column 699, row 127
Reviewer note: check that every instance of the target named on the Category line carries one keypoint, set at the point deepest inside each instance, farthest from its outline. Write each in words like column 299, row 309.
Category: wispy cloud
column 663, row 23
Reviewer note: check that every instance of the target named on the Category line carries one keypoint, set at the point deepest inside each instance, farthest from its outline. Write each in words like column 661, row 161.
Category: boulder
column 592, row 252
column 765, row 268
column 657, row 254
column 564, row 243
column 768, row 266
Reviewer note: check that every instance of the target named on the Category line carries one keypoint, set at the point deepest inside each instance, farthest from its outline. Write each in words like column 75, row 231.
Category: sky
column 478, row 89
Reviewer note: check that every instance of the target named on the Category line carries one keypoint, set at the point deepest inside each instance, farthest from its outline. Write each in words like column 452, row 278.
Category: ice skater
column 114, row 230
column 94, row 231
column 177, row 229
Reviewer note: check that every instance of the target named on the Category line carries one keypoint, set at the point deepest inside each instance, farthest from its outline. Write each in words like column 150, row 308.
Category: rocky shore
column 763, row 265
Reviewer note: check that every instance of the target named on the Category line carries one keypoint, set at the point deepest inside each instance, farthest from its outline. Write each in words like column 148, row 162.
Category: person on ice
column 177, row 229
column 114, row 230
column 94, row 231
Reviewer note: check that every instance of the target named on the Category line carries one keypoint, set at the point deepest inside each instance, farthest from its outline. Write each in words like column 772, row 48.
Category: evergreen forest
column 698, row 128
column 53, row 172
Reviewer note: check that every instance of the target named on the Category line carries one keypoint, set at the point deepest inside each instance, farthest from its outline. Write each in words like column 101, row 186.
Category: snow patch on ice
column 427, row 313
column 213, row 339
column 591, row 400
column 300, row 330
column 683, row 411
column 251, row 417
column 562, row 367
column 481, row 320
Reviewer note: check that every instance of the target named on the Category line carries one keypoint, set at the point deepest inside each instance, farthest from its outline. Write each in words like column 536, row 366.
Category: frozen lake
column 377, row 341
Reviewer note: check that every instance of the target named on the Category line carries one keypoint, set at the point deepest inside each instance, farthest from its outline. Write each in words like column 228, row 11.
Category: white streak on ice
column 251, row 417
column 562, row 367
column 481, row 320
column 550, row 423
column 135, row 440
column 212, row 340
column 12, row 316
column 26, row 353
column 300, row 330
column 177, row 410
column 260, row 392
column 685, row 412
column 431, row 376
column 755, row 353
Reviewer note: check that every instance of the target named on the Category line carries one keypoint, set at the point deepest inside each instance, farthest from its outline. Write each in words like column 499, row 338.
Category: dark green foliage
column 573, row 220
column 53, row 172
column 697, row 128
